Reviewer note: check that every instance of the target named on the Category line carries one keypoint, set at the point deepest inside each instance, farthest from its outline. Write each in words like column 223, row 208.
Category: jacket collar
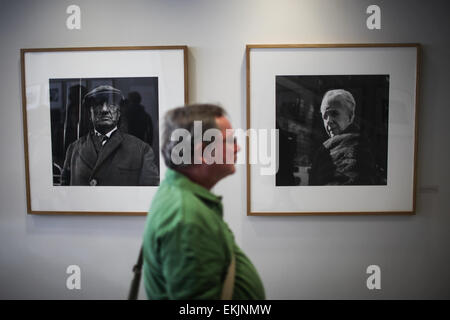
column 107, row 134
column 350, row 133
column 176, row 178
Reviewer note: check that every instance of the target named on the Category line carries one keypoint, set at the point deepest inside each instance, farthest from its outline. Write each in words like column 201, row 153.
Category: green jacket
column 188, row 246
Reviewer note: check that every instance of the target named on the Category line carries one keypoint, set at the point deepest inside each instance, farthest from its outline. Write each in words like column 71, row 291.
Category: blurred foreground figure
column 189, row 251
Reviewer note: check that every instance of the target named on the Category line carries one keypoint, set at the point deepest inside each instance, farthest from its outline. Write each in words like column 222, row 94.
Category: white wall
column 298, row 257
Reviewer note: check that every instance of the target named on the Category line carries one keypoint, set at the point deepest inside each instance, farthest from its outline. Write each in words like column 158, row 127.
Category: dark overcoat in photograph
column 124, row 160
column 345, row 159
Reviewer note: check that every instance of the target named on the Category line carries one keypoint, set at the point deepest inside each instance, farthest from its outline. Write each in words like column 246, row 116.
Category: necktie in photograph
column 104, row 138
column 100, row 141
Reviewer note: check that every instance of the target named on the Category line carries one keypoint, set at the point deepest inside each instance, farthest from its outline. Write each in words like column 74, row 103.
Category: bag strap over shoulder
column 228, row 284
column 137, row 269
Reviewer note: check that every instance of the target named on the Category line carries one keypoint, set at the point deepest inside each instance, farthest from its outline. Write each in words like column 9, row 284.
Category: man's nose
column 105, row 107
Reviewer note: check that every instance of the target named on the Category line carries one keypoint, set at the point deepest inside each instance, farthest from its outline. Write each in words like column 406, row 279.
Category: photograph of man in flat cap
column 105, row 156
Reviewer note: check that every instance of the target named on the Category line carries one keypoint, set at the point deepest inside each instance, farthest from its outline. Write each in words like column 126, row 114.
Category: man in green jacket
column 188, row 247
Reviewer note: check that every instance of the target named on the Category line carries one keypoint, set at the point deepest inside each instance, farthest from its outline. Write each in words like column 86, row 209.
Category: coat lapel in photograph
column 88, row 153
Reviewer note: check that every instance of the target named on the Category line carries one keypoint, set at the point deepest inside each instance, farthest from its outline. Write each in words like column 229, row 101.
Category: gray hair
column 342, row 96
column 183, row 118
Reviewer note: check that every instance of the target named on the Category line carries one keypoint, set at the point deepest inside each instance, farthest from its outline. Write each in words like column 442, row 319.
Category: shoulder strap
column 228, row 284
column 134, row 289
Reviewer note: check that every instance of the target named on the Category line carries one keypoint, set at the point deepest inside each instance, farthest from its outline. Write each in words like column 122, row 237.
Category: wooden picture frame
column 150, row 78
column 285, row 88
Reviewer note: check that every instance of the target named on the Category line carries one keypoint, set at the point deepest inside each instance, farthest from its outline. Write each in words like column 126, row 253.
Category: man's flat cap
column 102, row 91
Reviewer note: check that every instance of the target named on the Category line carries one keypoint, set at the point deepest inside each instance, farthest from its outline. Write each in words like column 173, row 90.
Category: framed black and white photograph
column 345, row 117
column 92, row 120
